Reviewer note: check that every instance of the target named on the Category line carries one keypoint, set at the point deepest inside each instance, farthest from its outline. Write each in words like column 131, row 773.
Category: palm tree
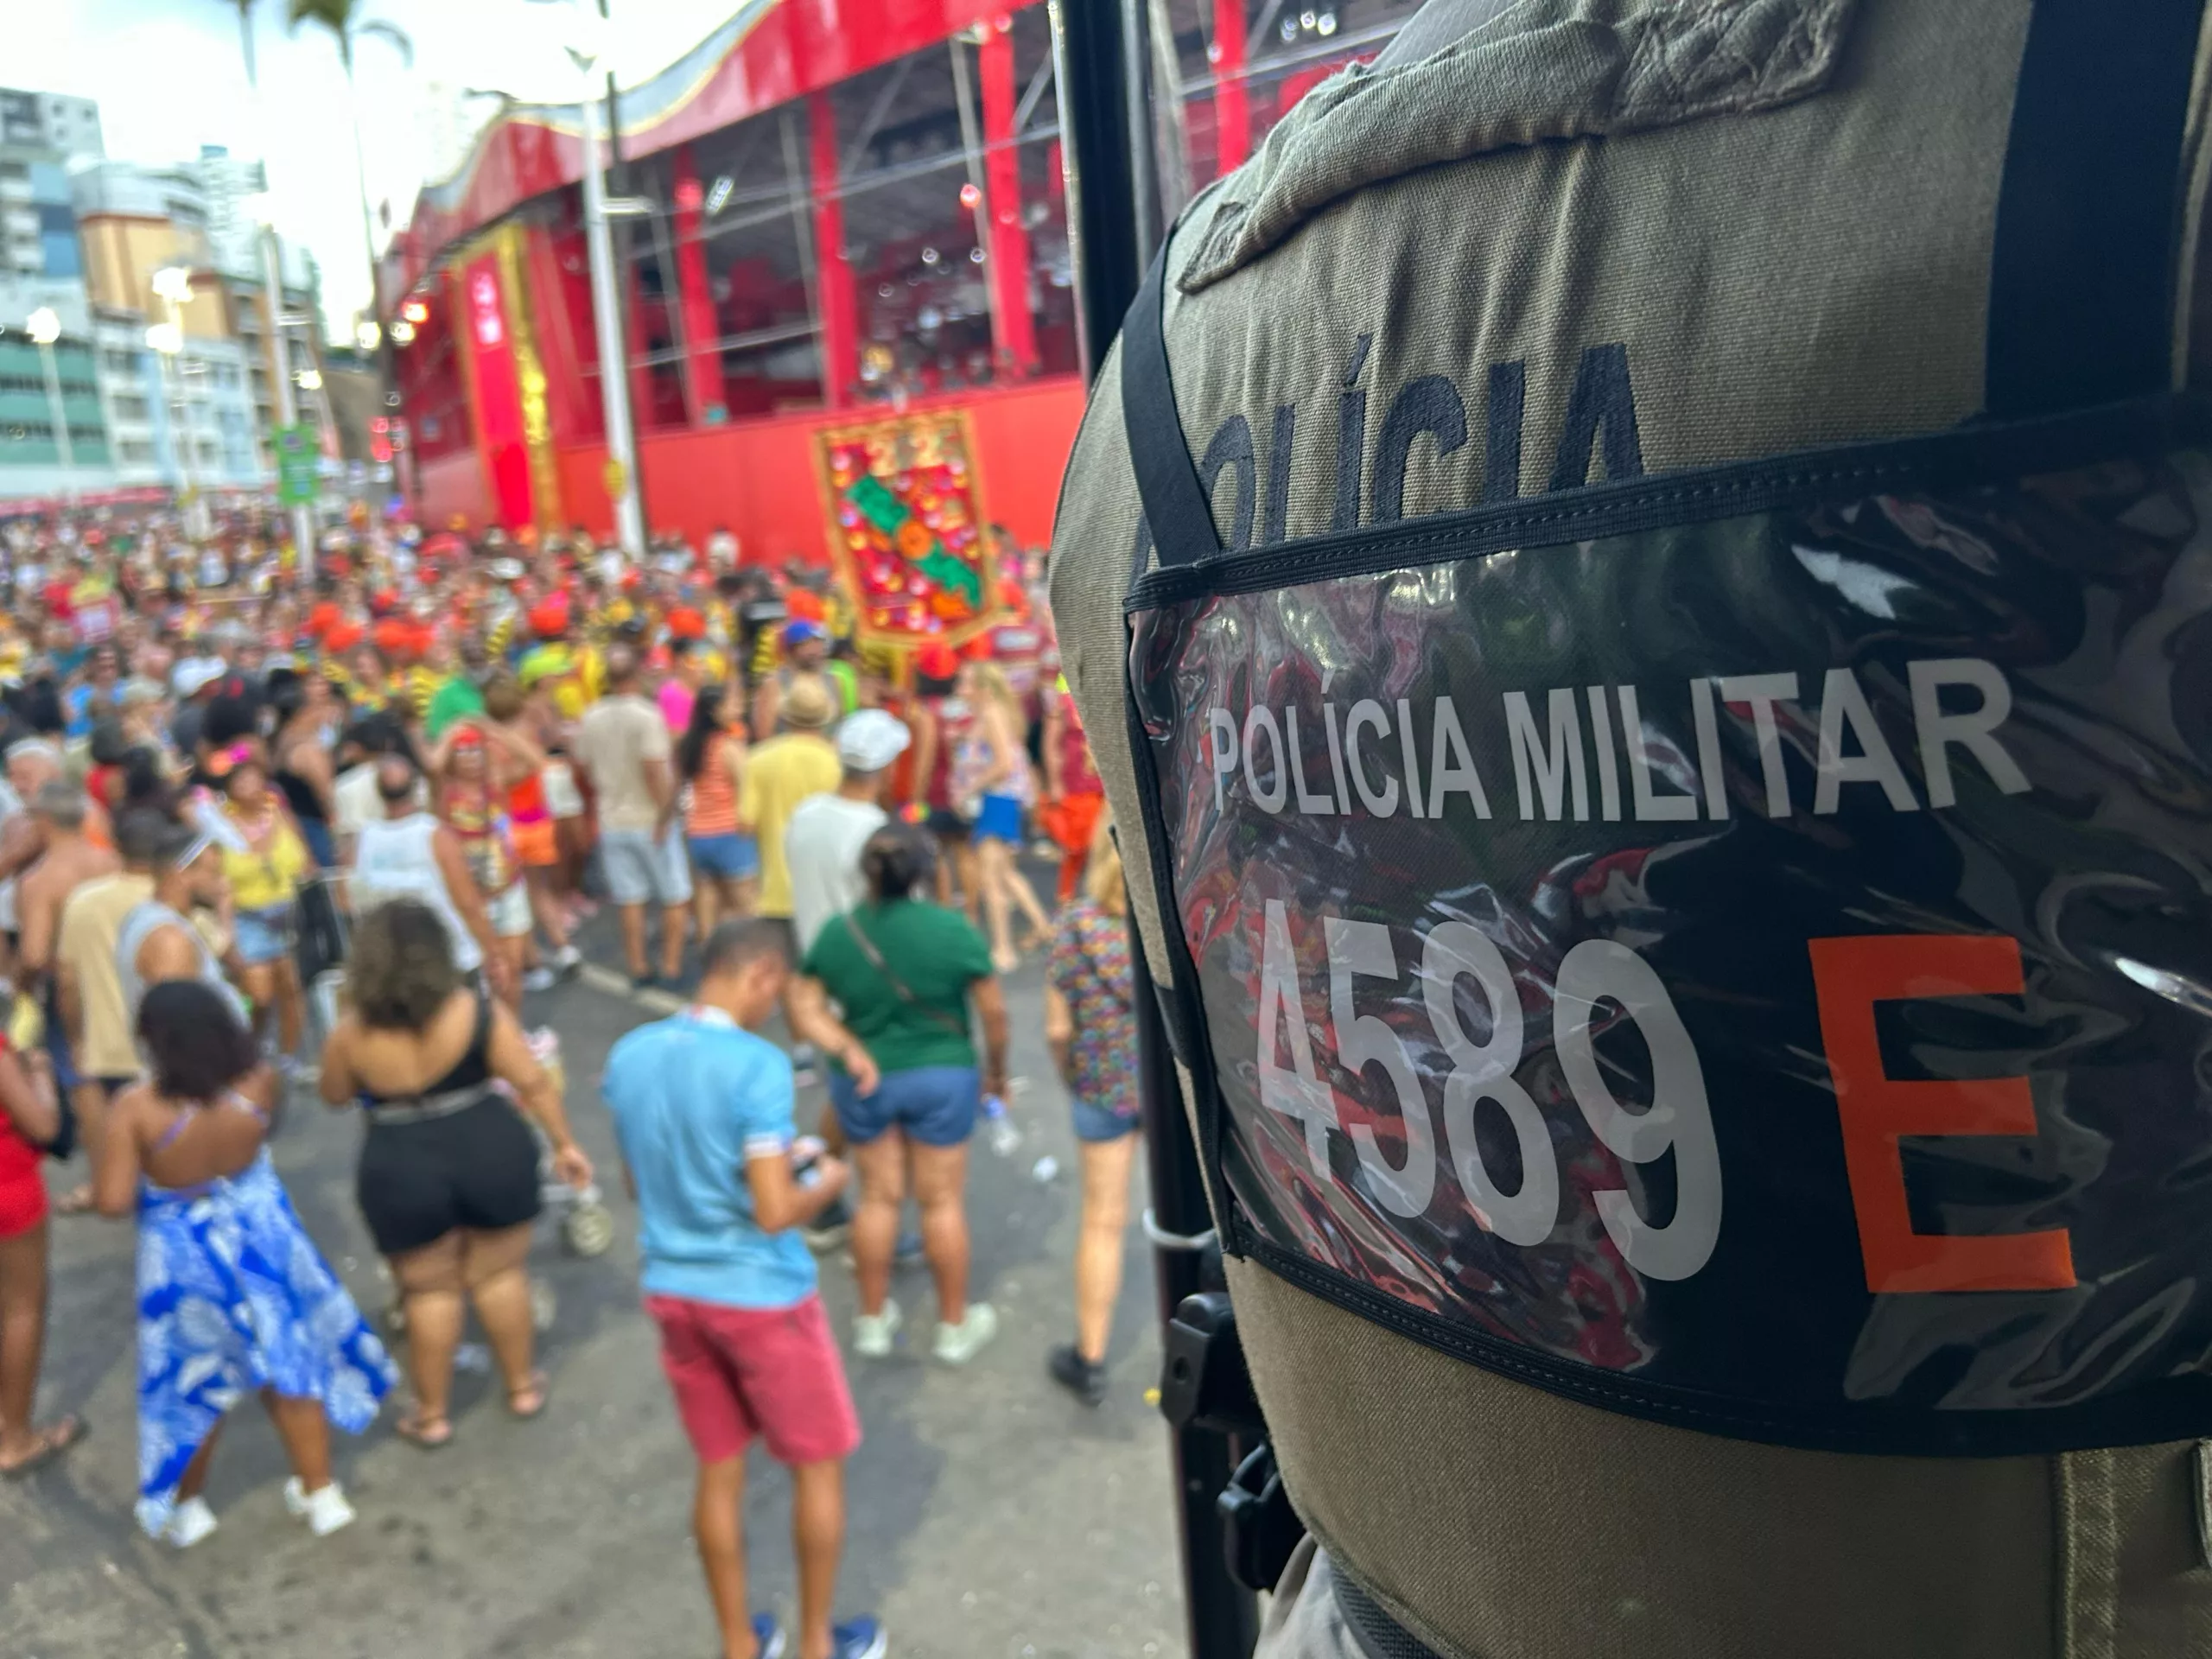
column 348, row 28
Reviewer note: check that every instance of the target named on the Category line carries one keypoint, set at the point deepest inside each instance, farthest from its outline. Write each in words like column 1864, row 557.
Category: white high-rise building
column 52, row 121
column 231, row 186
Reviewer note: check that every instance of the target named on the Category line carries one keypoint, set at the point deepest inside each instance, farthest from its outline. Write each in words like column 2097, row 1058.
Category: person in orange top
column 530, row 823
column 710, row 757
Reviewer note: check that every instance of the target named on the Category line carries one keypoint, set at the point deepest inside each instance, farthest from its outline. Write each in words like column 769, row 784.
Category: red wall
column 451, row 485
column 757, row 476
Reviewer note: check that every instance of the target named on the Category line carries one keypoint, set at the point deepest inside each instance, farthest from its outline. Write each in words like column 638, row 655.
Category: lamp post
column 45, row 328
column 272, row 283
column 172, row 285
column 606, row 320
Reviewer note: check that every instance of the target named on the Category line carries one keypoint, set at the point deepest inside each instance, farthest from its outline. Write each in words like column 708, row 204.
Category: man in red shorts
column 703, row 1110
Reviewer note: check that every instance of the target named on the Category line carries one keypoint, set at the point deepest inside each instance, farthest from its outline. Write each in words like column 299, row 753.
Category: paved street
column 989, row 1514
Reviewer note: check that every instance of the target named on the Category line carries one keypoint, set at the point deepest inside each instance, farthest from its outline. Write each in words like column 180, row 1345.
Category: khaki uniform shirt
column 1534, row 246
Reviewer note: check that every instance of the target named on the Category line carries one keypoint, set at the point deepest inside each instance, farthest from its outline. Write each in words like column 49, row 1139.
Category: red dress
column 22, row 1189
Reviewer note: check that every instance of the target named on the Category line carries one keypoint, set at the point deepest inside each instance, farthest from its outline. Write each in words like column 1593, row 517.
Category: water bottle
column 1005, row 1139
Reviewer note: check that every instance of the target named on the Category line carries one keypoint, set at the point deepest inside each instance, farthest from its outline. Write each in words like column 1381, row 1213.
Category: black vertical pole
column 1112, row 220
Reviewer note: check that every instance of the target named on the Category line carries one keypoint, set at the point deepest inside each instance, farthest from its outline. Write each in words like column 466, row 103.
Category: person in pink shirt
column 686, row 669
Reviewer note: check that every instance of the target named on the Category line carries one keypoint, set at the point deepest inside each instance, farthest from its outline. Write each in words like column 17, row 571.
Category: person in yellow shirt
column 798, row 762
column 264, row 859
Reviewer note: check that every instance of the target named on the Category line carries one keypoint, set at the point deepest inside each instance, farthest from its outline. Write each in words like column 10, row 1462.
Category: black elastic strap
column 2089, row 210
column 1379, row 1635
column 1176, row 505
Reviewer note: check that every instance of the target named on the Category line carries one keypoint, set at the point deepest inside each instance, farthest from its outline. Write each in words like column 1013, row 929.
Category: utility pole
column 613, row 358
column 272, row 284
column 45, row 329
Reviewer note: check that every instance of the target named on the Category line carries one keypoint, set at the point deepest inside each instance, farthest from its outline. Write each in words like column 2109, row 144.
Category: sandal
column 536, row 1390
column 47, row 1444
column 428, row 1434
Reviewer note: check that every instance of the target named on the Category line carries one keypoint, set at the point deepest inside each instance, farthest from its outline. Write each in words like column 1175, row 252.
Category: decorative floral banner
column 906, row 517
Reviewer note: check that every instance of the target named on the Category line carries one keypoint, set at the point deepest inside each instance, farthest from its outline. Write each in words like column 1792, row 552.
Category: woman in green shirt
column 905, row 975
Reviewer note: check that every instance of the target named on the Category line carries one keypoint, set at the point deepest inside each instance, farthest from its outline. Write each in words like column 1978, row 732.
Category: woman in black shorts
column 449, row 1179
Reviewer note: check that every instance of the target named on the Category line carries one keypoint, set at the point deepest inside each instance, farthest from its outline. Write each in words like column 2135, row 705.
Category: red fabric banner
column 497, row 391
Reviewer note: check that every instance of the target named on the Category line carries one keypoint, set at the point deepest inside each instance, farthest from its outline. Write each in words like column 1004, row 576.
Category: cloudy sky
column 169, row 76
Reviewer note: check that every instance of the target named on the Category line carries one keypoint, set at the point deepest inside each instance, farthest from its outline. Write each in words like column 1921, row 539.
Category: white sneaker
column 539, row 979
column 567, row 960
column 189, row 1523
column 325, row 1509
column 958, row 1344
column 872, row 1333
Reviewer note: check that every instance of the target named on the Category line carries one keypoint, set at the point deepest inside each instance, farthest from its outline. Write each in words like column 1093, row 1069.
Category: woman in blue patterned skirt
column 233, row 1297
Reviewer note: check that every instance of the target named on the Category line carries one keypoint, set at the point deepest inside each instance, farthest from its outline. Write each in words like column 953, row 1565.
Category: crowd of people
column 265, row 829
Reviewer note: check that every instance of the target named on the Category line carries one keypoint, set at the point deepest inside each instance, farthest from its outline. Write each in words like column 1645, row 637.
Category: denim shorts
column 931, row 1105
column 1096, row 1124
column 1000, row 820
column 264, row 935
column 731, row 857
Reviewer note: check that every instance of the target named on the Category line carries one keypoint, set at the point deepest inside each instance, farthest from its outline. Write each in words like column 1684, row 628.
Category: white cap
column 871, row 739
column 194, row 674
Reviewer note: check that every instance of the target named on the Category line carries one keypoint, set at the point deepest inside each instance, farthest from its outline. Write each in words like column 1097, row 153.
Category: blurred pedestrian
column 300, row 753
column 30, row 1118
column 904, row 1079
column 1074, row 796
column 448, row 1176
column 410, row 853
column 233, row 1297
column 264, row 861
column 939, row 718
column 710, row 759
column 797, row 763
column 159, row 939
column 473, row 807
column 522, row 762
column 88, row 987
column 71, row 859
column 1090, row 1026
column 702, row 1111
column 993, row 779
column 823, row 845
column 624, row 747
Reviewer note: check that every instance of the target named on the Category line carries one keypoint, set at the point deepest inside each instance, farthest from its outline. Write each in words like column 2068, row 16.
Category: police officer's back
column 1679, row 762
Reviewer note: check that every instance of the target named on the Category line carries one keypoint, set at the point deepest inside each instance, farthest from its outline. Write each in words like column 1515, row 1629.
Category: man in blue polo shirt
column 702, row 1111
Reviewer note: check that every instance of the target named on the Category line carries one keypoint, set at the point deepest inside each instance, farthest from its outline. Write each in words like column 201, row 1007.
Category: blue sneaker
column 860, row 1638
column 769, row 1634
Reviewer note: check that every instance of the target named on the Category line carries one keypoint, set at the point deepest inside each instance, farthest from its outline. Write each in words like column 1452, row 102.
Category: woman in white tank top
column 397, row 858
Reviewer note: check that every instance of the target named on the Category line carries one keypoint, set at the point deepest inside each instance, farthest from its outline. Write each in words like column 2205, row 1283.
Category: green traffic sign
column 298, row 464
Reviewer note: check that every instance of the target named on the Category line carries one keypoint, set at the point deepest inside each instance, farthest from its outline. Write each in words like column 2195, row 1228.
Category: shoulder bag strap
column 935, row 1016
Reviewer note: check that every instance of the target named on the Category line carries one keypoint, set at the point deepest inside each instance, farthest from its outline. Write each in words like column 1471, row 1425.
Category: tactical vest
column 1728, row 943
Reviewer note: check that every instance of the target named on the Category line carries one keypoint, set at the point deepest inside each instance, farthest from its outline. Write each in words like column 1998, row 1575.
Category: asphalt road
column 989, row 1514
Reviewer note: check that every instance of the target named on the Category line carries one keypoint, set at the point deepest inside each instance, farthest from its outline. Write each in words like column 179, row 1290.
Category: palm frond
column 392, row 35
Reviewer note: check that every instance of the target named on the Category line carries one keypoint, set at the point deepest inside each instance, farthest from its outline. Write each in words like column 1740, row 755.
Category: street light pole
column 287, row 407
column 613, row 360
column 272, row 283
column 167, row 339
column 45, row 327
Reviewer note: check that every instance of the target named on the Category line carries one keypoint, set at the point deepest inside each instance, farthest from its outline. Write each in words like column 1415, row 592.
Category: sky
column 170, row 76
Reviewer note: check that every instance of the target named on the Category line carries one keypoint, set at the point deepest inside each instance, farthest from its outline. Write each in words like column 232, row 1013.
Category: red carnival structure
column 858, row 248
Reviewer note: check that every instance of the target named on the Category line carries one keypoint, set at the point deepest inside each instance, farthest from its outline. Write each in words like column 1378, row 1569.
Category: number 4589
column 1875, row 1112
column 1595, row 971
